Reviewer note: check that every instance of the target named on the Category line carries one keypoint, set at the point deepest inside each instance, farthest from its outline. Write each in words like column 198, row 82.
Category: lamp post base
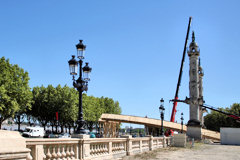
column 81, row 136
column 80, row 129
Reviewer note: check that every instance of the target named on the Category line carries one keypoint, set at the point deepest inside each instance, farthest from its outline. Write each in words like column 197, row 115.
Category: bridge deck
column 157, row 123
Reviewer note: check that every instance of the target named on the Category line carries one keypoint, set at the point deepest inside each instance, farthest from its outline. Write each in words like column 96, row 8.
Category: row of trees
column 40, row 104
column 215, row 120
column 47, row 101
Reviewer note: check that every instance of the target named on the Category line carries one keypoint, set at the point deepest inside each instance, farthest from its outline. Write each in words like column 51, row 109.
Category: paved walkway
column 200, row 152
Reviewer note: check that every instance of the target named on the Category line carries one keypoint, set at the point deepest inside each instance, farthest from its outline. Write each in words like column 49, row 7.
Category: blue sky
column 133, row 46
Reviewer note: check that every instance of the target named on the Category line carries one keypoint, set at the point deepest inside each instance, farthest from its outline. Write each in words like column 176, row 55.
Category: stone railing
column 92, row 148
column 53, row 148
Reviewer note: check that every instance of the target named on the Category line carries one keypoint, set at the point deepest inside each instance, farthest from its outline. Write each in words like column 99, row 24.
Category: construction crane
column 174, row 109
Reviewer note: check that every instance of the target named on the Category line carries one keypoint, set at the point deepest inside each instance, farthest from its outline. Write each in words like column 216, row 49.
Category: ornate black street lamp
column 81, row 84
column 182, row 122
column 161, row 110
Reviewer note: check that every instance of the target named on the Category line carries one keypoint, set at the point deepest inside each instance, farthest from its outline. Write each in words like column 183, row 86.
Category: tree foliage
column 49, row 100
column 15, row 93
column 64, row 100
column 215, row 120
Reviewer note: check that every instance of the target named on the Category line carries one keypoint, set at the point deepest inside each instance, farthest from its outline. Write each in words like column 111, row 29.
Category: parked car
column 53, row 135
column 134, row 135
column 64, row 135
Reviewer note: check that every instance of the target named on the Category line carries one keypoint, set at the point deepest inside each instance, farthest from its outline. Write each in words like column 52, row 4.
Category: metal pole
column 162, row 116
column 80, row 129
column 182, row 126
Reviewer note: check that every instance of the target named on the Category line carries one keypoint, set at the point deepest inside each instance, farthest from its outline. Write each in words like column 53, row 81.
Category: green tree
column 66, row 106
column 43, row 101
column 15, row 93
column 49, row 100
column 94, row 107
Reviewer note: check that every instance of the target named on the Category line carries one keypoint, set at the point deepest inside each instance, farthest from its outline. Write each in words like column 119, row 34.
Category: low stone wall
column 14, row 146
column 93, row 148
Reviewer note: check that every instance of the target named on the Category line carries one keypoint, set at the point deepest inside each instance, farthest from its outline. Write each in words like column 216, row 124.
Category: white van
column 33, row 132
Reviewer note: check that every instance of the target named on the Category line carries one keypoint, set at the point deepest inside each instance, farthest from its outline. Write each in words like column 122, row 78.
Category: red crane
column 174, row 109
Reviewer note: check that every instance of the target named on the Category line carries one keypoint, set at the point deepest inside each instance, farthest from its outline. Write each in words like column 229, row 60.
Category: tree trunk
column 44, row 126
column 19, row 126
column 69, row 129
column 56, row 128
column 62, row 129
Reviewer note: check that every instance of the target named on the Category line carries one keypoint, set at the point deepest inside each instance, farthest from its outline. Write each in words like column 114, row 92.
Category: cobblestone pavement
column 200, row 152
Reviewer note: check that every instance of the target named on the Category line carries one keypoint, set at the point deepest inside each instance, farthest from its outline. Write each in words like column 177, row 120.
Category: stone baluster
column 48, row 155
column 92, row 149
column 68, row 153
column 29, row 157
column 105, row 148
column 102, row 149
column 72, row 152
column 114, row 147
column 122, row 146
column 63, row 153
column 54, row 154
column 59, row 155
column 95, row 149
column 98, row 149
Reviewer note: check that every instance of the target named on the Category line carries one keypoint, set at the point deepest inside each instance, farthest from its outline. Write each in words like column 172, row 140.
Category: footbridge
column 150, row 122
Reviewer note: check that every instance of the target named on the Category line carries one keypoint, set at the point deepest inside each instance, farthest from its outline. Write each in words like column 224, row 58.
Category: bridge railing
column 92, row 148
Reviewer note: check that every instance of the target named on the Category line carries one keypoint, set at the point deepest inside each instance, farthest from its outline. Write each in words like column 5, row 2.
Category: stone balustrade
column 53, row 148
column 92, row 148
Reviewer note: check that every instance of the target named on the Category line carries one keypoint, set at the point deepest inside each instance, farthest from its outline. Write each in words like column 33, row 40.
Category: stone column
column 194, row 124
column 193, row 87
column 201, row 101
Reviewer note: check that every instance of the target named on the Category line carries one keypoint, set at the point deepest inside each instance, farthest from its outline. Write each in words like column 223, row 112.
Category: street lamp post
column 161, row 110
column 182, row 122
column 81, row 84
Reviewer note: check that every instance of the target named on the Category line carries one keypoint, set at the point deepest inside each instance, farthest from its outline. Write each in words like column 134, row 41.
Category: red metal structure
column 174, row 109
